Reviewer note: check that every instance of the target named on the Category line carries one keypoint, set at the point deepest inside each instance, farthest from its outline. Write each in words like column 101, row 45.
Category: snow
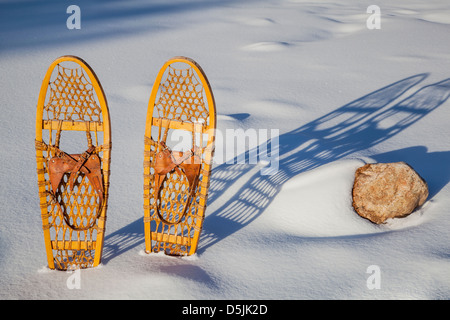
column 339, row 94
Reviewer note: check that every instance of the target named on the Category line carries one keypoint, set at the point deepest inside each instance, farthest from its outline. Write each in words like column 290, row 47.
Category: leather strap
column 167, row 161
column 81, row 160
column 89, row 163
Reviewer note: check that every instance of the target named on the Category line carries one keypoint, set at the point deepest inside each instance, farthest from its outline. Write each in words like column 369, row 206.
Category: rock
column 387, row 190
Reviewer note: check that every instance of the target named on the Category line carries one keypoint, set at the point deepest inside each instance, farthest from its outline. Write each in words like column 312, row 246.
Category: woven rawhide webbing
column 176, row 182
column 72, row 97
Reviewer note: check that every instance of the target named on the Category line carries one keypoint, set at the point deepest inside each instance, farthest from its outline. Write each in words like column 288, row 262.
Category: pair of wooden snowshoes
column 73, row 187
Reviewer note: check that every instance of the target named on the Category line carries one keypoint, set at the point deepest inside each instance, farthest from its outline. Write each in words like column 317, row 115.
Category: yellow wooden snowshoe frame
column 181, row 99
column 72, row 99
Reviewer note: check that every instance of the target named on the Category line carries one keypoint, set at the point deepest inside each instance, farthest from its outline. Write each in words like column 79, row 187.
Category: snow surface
column 340, row 95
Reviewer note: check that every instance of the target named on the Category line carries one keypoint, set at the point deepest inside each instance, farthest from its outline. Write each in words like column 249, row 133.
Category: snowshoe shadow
column 356, row 126
column 123, row 240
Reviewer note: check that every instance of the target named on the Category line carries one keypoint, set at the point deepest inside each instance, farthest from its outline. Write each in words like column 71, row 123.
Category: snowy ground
column 339, row 94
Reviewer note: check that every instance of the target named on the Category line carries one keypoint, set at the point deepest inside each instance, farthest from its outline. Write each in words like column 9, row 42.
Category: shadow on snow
column 356, row 126
column 30, row 23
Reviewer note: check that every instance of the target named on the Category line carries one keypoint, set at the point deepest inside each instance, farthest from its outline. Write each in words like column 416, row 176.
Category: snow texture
column 339, row 94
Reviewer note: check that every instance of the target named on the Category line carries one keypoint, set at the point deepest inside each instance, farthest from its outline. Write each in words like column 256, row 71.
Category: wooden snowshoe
column 73, row 187
column 176, row 181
